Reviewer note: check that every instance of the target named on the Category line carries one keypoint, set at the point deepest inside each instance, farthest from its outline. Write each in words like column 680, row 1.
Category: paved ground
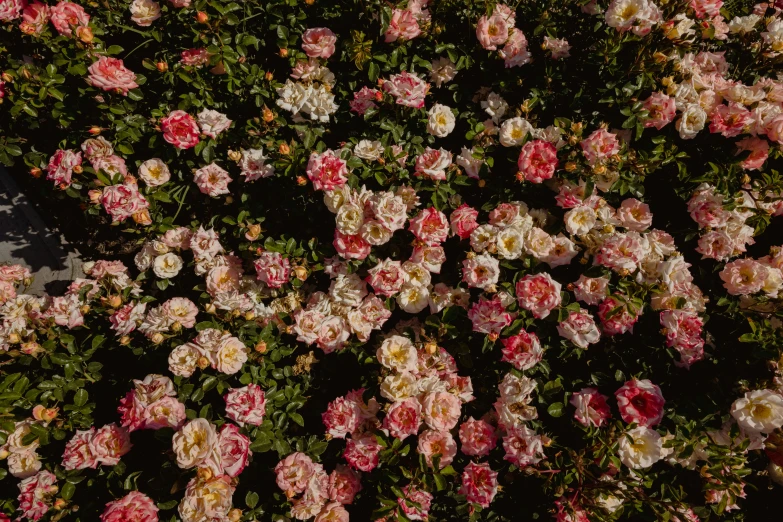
column 25, row 239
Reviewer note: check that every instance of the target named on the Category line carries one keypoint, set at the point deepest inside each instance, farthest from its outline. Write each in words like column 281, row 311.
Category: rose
column 212, row 122
column 246, row 405
column 463, row 221
column 34, row 17
column 234, row 450
column 341, row 417
column 515, row 53
column 640, row 448
column 66, row 16
column 167, row 266
column 398, row 353
column 408, row 89
column 108, row 444
column 293, row 473
column 621, row 320
column 11, row 9
column 111, row 74
column 522, row 350
column 579, row 328
column 386, row 278
column 660, row 109
column 433, row 163
column 123, row 201
column 344, row 484
column 640, row 401
column 208, row 499
column 759, row 411
column 154, row 172
column 362, row 452
column 327, row 170
column 523, row 447
column 434, row 442
column 415, row 503
column 403, row 418
column 481, row 271
column 273, row 269
column 489, row 316
column 440, row 121
column 441, row 410
column 195, row 443
column 180, row 129
column 477, row 437
column 479, row 484
column 144, row 12
column 61, row 165
column 539, row 293
column 230, row 356
column 591, row 407
column 212, row 180
column 599, row 146
column 318, row 42
column 134, row 506
column 743, row 276
column 430, row 225
column 402, row 26
column 537, row 161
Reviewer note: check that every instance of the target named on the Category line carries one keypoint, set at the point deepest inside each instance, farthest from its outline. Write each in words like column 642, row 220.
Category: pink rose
column 180, row 129
column 537, row 161
column 234, row 450
column 523, row 447
column 634, row 215
column 579, row 328
column 246, row 405
column 112, row 165
column 66, row 16
column 433, row 163
column 706, row 8
column 599, row 146
column 441, row 410
column 615, row 315
column 11, row 9
column 489, row 316
column 111, row 74
column 327, row 170
column 416, row 503
column 135, row 506
column 403, row 418
column 759, row 152
column 318, row 42
column 344, row 484
column 774, row 129
column 109, row 443
column 332, row 334
column 730, row 120
column 522, row 350
column 123, row 201
column 61, row 164
column 332, row 512
column 621, row 252
column 492, row 31
column 640, row 401
column 273, row 269
column 479, row 484
column 341, row 417
column 430, row 226
column 364, row 99
column 515, row 53
column 77, row 454
column 743, row 276
column 212, row 180
column 661, row 110
column 194, row 57
column 477, row 437
column 683, row 333
column 539, row 293
column 591, row 407
column 463, row 221
column 362, row 452
column 36, row 494
column 386, row 278
column 481, row 271
column 402, row 26
column 434, row 442
column 167, row 412
column 294, row 473
column 408, row 89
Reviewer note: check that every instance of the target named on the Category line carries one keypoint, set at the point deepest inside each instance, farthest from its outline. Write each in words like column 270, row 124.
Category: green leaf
column 80, row 398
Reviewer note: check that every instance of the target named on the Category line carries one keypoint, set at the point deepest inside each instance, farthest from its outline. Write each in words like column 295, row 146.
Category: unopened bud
column 162, row 67
column 570, row 166
column 210, row 308
column 599, row 169
column 36, row 172
column 115, row 301
column 85, row 309
column 157, row 338
column 94, row 130
column 300, row 272
column 7, row 78
column 203, row 362
column 31, row 348
column 143, row 217
column 301, row 181
column 250, row 315
column 253, row 231
column 284, row 149
column 84, row 34
column 268, row 115
column 283, row 53
column 235, row 515
column 95, row 196
column 268, row 76
column 125, row 340
column 44, row 414
column 176, row 327
column 201, row 17
column 78, row 169
column 431, row 348
column 482, row 183
column 235, row 155
column 60, row 503
column 261, row 347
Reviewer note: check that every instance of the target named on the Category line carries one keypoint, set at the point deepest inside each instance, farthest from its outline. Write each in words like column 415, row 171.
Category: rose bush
column 415, row 260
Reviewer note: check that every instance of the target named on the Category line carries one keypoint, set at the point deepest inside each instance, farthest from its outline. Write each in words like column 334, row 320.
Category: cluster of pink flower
column 23, row 459
column 746, row 276
column 219, row 350
column 323, row 495
column 182, row 130
column 66, row 17
column 91, row 448
column 151, row 405
column 498, row 30
column 10, row 277
column 404, row 23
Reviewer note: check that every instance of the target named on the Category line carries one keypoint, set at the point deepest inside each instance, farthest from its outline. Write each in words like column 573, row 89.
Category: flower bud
column 235, row 514
column 283, row 53
column 210, row 308
column 268, row 76
column 95, row 130
column 157, row 338
column 284, row 149
column 95, row 196
column 115, row 301
column 201, row 17
column 84, row 34
column 143, row 217
column 250, row 315
column 253, row 231
column 235, row 155
column 85, row 309
column 300, row 272
column 431, row 348
column 301, row 181
column 260, row 347
column 162, row 67
column 125, row 340
column 203, row 362
column 36, row 172
column 60, row 503
column 268, row 115
column 7, row 78
column 78, row 169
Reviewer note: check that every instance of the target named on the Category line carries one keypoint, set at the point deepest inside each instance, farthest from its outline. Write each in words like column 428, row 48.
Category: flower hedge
column 425, row 260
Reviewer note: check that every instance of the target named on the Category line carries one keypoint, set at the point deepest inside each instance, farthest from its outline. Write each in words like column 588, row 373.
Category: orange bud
column 162, row 67
column 84, row 34
column 95, row 130
column 261, row 347
column 78, row 169
column 115, row 301
column 35, row 172
column 201, row 17
column 268, row 76
column 268, row 115
column 301, row 180
column 142, row 218
column 284, row 53
column 284, row 148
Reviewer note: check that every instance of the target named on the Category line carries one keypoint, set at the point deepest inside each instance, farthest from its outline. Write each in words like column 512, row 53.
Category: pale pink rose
column 706, row 8
column 706, row 209
column 109, row 443
column 11, row 9
column 61, row 164
column 402, row 26
column 441, row 410
column 523, row 447
column 416, row 503
column 479, row 484
column 212, row 180
column 621, row 320
column 222, row 279
column 123, row 201
column 333, row 333
column 759, row 152
column 430, row 226
column 433, row 442
column 621, row 252
column 433, row 163
column 559, row 47
column 246, row 405
column 492, row 31
column 683, row 330
column 537, row 161
column 640, row 401
column 234, row 450
column 167, row 412
column 273, row 269
column 430, row 257
column 600, row 145
column 661, row 110
column 36, row 495
column 730, row 120
column 194, row 57
column 362, row 452
column 744, row 276
column 716, row 244
column 591, row 407
column 344, row 484
column 634, row 215
column 774, row 129
column 67, row 16
column 489, row 316
column 326, row 170
column 481, row 271
column 408, row 89
column 579, row 328
column 110, row 74
column 77, row 454
column 181, row 310
column 34, row 17
column 463, row 221
column 341, row 417
column 403, row 418
column 318, row 42
column 477, row 437
column 212, row 123
column 294, row 472
column 332, row 512
column 539, row 293
column 522, row 350
column 135, row 507
column 365, row 99
column 515, row 53
column 111, row 165
column 386, row 278
column 180, row 129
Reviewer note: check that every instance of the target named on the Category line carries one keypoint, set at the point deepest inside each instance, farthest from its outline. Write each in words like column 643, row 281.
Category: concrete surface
column 25, row 239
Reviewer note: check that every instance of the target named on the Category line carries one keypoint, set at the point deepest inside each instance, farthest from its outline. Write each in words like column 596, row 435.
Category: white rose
column 513, row 131
column 510, row 242
column 23, row 464
column 440, row 121
column 167, row 265
column 212, row 122
column 144, row 257
column 471, row 164
column 495, row 106
column 154, row 172
column 368, row 150
column 538, row 243
column 375, row 233
column 399, row 386
column 398, row 353
column 580, row 220
column 442, row 71
column 691, row 121
column 640, row 447
column 413, row 298
column 230, row 356
column 483, row 237
column 743, row 24
column 144, row 12
column 416, row 274
column 254, row 165
column 759, row 411
column 348, row 290
column 194, row 443
column 183, row 359
column 516, row 390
